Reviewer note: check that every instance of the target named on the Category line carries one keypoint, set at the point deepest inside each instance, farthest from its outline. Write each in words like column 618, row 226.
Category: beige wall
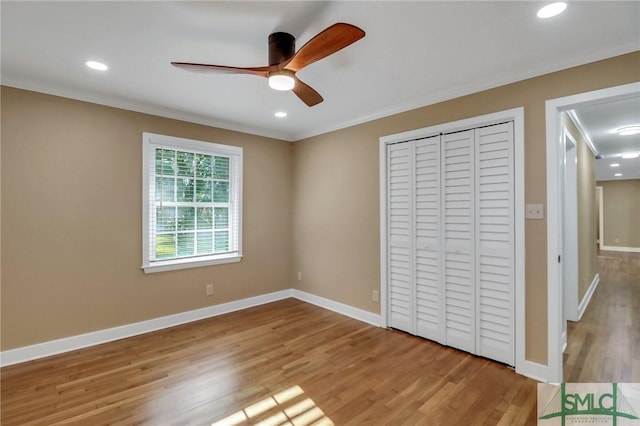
column 72, row 218
column 311, row 206
column 621, row 208
column 336, row 222
column 587, row 211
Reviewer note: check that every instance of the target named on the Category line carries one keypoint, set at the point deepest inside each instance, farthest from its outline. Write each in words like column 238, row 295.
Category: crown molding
column 502, row 80
column 142, row 107
column 419, row 102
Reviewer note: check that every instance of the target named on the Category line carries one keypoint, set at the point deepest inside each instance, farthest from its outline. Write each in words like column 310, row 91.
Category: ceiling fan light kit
column 282, row 80
column 285, row 62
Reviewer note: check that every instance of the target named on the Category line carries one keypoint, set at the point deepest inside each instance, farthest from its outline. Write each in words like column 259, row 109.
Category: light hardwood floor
column 287, row 362
column 604, row 346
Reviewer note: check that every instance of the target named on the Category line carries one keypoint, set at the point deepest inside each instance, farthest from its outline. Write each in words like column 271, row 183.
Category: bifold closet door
column 401, row 297
column 495, row 245
column 415, row 290
column 458, row 233
column 428, row 296
column 451, row 241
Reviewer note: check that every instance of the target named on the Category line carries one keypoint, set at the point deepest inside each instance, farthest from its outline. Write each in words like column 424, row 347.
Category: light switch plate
column 534, row 211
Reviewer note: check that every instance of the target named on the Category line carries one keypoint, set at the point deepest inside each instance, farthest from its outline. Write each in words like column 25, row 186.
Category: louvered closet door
column 495, row 243
column 400, row 235
column 428, row 302
column 458, row 222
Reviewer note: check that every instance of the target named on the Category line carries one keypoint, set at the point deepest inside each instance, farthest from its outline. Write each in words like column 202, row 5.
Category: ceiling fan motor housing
column 282, row 46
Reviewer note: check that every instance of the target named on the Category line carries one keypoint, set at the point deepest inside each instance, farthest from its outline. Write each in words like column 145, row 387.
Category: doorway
column 558, row 216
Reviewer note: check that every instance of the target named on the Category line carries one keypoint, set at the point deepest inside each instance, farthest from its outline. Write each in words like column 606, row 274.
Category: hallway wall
column 621, row 208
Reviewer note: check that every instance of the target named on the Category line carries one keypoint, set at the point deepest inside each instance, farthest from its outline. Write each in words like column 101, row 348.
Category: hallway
column 604, row 346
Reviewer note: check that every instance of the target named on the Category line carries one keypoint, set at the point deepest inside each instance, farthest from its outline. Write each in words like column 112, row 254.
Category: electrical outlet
column 209, row 289
column 299, row 276
column 534, row 211
column 375, row 295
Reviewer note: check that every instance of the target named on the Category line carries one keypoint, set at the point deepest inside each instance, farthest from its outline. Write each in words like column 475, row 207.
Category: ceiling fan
column 285, row 62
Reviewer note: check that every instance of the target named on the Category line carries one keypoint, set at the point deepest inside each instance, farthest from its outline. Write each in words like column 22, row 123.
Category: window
column 192, row 201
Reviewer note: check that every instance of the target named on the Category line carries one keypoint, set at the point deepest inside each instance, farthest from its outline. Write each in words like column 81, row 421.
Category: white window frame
column 150, row 142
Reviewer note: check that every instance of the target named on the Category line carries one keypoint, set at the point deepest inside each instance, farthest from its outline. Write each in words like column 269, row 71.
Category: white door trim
column 600, row 200
column 570, row 245
column 517, row 116
column 553, row 108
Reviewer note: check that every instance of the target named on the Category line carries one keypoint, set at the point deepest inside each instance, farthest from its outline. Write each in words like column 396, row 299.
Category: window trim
column 149, row 142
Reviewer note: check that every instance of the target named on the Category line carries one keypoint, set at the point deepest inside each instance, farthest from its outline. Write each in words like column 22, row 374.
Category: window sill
column 172, row 265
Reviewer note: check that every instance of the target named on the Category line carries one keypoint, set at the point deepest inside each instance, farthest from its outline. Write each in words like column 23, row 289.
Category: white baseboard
column 341, row 308
column 533, row 370
column 54, row 347
column 27, row 353
column 616, row 248
column 587, row 297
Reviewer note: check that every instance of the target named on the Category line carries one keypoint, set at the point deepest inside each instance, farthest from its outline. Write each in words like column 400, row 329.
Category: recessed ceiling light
column 631, row 155
column 280, row 114
column 97, row 65
column 614, row 165
column 628, row 130
column 618, row 174
column 552, row 9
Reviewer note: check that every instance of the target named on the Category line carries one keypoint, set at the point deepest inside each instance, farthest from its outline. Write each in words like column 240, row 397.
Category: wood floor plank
column 287, row 362
column 604, row 346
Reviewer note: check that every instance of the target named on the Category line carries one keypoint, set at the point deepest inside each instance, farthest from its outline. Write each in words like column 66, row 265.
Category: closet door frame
column 516, row 115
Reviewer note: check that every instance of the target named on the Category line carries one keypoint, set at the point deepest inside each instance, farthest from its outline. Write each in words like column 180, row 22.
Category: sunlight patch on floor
column 284, row 408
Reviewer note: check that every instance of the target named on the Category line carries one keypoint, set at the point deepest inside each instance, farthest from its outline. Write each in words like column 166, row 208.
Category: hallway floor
column 604, row 346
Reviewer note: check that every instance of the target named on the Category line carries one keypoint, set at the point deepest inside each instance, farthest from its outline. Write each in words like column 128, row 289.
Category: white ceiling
column 414, row 54
column 600, row 123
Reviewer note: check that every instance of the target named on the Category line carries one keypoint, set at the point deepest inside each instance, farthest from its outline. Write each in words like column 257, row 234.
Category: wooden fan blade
column 306, row 93
column 327, row 42
column 207, row 68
